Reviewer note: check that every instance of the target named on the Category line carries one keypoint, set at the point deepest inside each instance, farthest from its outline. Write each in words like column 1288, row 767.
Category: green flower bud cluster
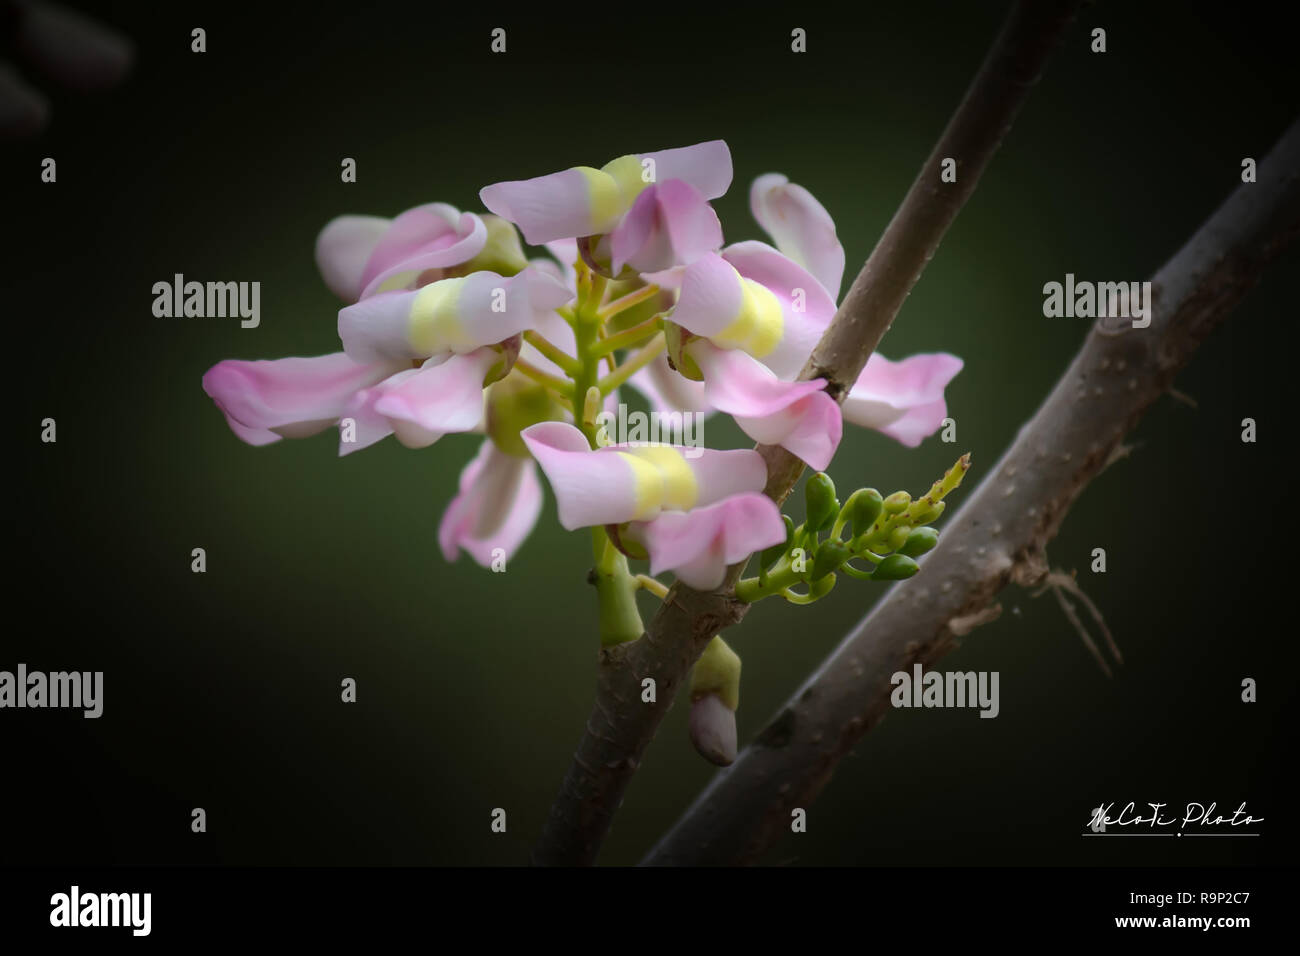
column 887, row 533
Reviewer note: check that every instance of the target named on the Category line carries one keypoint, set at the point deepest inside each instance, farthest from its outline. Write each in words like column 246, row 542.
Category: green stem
column 537, row 375
column 773, row 582
column 630, row 338
column 633, row 364
column 553, row 352
column 627, row 301
column 585, row 334
column 616, row 588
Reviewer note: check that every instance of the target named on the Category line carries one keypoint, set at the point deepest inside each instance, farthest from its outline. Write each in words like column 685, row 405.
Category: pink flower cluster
column 444, row 315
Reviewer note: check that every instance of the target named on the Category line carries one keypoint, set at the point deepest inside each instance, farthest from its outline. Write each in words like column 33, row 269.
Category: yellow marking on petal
column 680, row 490
column 648, row 485
column 395, row 282
column 663, row 480
column 435, row 324
column 760, row 323
column 604, row 199
column 626, row 171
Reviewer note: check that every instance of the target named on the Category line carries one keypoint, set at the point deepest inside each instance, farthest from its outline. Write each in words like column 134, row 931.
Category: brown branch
column 621, row 726
column 1000, row 533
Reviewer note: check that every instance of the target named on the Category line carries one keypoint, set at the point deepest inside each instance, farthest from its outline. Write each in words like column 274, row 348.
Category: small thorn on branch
column 1059, row 582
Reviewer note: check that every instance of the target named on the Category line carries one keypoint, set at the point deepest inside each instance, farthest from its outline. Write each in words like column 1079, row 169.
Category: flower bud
column 831, row 553
column 513, row 404
column 927, row 513
column 919, row 542
column 929, row 507
column 591, row 405
column 897, row 503
column 865, row 506
column 822, row 505
column 896, row 567
column 713, row 730
column 718, row 671
column 822, row 587
column 897, row 537
column 715, row 695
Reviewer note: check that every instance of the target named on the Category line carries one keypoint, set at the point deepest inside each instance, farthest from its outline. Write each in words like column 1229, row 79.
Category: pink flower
column 419, row 341
column 800, row 226
column 456, row 315
column 698, row 546
column 694, row 515
column 496, row 508
column 361, row 255
column 448, row 327
column 746, row 335
column 653, row 207
column 902, row 399
column 755, row 313
column 265, row 401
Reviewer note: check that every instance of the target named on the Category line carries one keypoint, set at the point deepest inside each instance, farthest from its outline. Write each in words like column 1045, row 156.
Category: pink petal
column 497, row 506
column 668, row 390
column 566, row 254
column 585, row 202
column 368, row 426
column 798, row 416
column 669, row 224
column 343, row 248
column 550, row 267
column 810, row 429
column 706, row 166
column 699, row 545
column 290, row 397
column 556, row 206
column 438, row 399
column 807, row 308
column 711, row 296
column 253, row 436
column 597, row 487
column 590, row 488
column 666, row 278
column 903, row 399
column 432, row 236
column 777, row 312
column 450, row 315
column 800, row 226
column 917, row 423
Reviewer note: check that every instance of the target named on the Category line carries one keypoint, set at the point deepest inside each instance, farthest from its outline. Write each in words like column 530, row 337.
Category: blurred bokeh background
column 222, row 689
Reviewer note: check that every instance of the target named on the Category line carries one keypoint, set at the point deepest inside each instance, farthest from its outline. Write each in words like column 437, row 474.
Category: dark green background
column 222, row 689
